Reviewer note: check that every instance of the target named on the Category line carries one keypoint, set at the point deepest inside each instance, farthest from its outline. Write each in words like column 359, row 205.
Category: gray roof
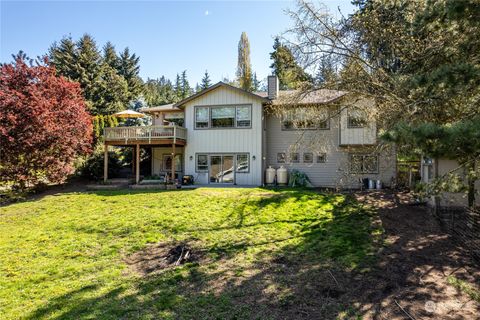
column 296, row 97
column 285, row 97
column 163, row 108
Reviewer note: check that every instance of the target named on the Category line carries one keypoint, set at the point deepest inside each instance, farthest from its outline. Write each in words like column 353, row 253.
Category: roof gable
column 216, row 86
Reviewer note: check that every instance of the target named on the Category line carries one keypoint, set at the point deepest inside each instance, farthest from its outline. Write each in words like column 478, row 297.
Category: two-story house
column 226, row 135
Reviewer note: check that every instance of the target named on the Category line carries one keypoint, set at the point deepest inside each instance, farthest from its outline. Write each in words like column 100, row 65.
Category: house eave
column 180, row 104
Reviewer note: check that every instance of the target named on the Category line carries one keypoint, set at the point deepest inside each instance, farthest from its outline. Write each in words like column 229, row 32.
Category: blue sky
column 169, row 37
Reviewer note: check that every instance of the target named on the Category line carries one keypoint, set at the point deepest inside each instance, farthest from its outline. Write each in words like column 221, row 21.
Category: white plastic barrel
column 270, row 175
column 371, row 184
column 379, row 184
column 282, row 176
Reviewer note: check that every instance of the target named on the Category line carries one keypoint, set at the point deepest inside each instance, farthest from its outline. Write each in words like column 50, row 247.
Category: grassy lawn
column 63, row 256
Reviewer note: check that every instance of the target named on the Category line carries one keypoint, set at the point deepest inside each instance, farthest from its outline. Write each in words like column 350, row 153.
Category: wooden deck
column 151, row 135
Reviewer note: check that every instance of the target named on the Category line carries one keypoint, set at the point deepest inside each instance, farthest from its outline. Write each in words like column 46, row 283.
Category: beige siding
column 358, row 136
column 335, row 171
column 226, row 141
column 157, row 158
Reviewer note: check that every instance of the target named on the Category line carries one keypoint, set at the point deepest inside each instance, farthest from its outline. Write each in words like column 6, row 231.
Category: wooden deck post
column 137, row 164
column 105, row 163
column 133, row 160
column 173, row 162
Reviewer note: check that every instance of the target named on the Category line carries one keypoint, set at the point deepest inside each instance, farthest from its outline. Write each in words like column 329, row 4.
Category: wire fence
column 463, row 224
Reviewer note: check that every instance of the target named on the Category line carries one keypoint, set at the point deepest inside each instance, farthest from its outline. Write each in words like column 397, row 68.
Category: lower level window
column 308, row 157
column 243, row 164
column 202, row 163
column 281, row 157
column 321, row 158
column 362, row 163
column 294, row 157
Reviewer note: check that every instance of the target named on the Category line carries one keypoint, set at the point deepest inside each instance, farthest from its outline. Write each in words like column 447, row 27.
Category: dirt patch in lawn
column 158, row 257
column 411, row 277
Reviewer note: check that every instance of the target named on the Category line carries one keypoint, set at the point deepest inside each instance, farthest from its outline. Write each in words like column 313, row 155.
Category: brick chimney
column 272, row 87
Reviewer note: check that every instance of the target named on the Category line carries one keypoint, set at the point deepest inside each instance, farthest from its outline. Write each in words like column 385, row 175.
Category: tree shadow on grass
column 332, row 269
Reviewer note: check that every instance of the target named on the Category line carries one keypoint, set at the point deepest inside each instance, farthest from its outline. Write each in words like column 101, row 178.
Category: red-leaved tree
column 44, row 125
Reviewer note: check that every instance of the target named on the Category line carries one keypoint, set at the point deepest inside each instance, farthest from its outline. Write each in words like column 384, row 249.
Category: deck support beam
column 137, row 163
column 105, row 163
column 173, row 162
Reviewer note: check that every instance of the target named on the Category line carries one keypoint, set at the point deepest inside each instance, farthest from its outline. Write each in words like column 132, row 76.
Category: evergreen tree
column 129, row 69
column 64, row 57
column 459, row 141
column 198, row 88
column 103, row 79
column 284, row 66
column 255, row 83
column 178, row 87
column 244, row 67
column 137, row 105
column 230, row 82
column 159, row 91
column 88, row 62
column 186, row 90
column 205, row 81
column 113, row 94
column 110, row 56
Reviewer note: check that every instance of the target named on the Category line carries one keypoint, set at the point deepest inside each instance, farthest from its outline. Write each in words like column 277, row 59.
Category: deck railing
column 145, row 133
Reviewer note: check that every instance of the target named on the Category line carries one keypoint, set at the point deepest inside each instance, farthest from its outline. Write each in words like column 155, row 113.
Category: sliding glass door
column 222, row 169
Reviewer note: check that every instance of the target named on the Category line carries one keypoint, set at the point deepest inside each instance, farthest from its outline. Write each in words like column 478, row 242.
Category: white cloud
column 207, row 12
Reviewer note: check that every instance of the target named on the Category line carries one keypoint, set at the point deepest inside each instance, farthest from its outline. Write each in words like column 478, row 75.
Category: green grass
column 61, row 257
column 464, row 287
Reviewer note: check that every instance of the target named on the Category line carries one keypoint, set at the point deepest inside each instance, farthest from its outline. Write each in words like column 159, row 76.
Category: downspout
column 263, row 144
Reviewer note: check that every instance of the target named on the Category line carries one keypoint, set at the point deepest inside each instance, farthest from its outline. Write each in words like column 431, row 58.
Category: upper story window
column 356, row 118
column 201, row 117
column 219, row 117
column 306, row 119
column 223, row 117
column 244, row 116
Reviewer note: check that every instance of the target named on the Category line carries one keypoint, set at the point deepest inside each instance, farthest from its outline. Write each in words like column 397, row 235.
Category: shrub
column 298, row 179
column 44, row 125
column 92, row 168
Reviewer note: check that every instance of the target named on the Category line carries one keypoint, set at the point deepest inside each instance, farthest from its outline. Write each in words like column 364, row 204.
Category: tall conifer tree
column 89, row 72
column 64, row 57
column 186, row 90
column 206, row 82
column 244, row 67
column 130, row 69
column 284, row 66
column 110, row 56
column 178, row 87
